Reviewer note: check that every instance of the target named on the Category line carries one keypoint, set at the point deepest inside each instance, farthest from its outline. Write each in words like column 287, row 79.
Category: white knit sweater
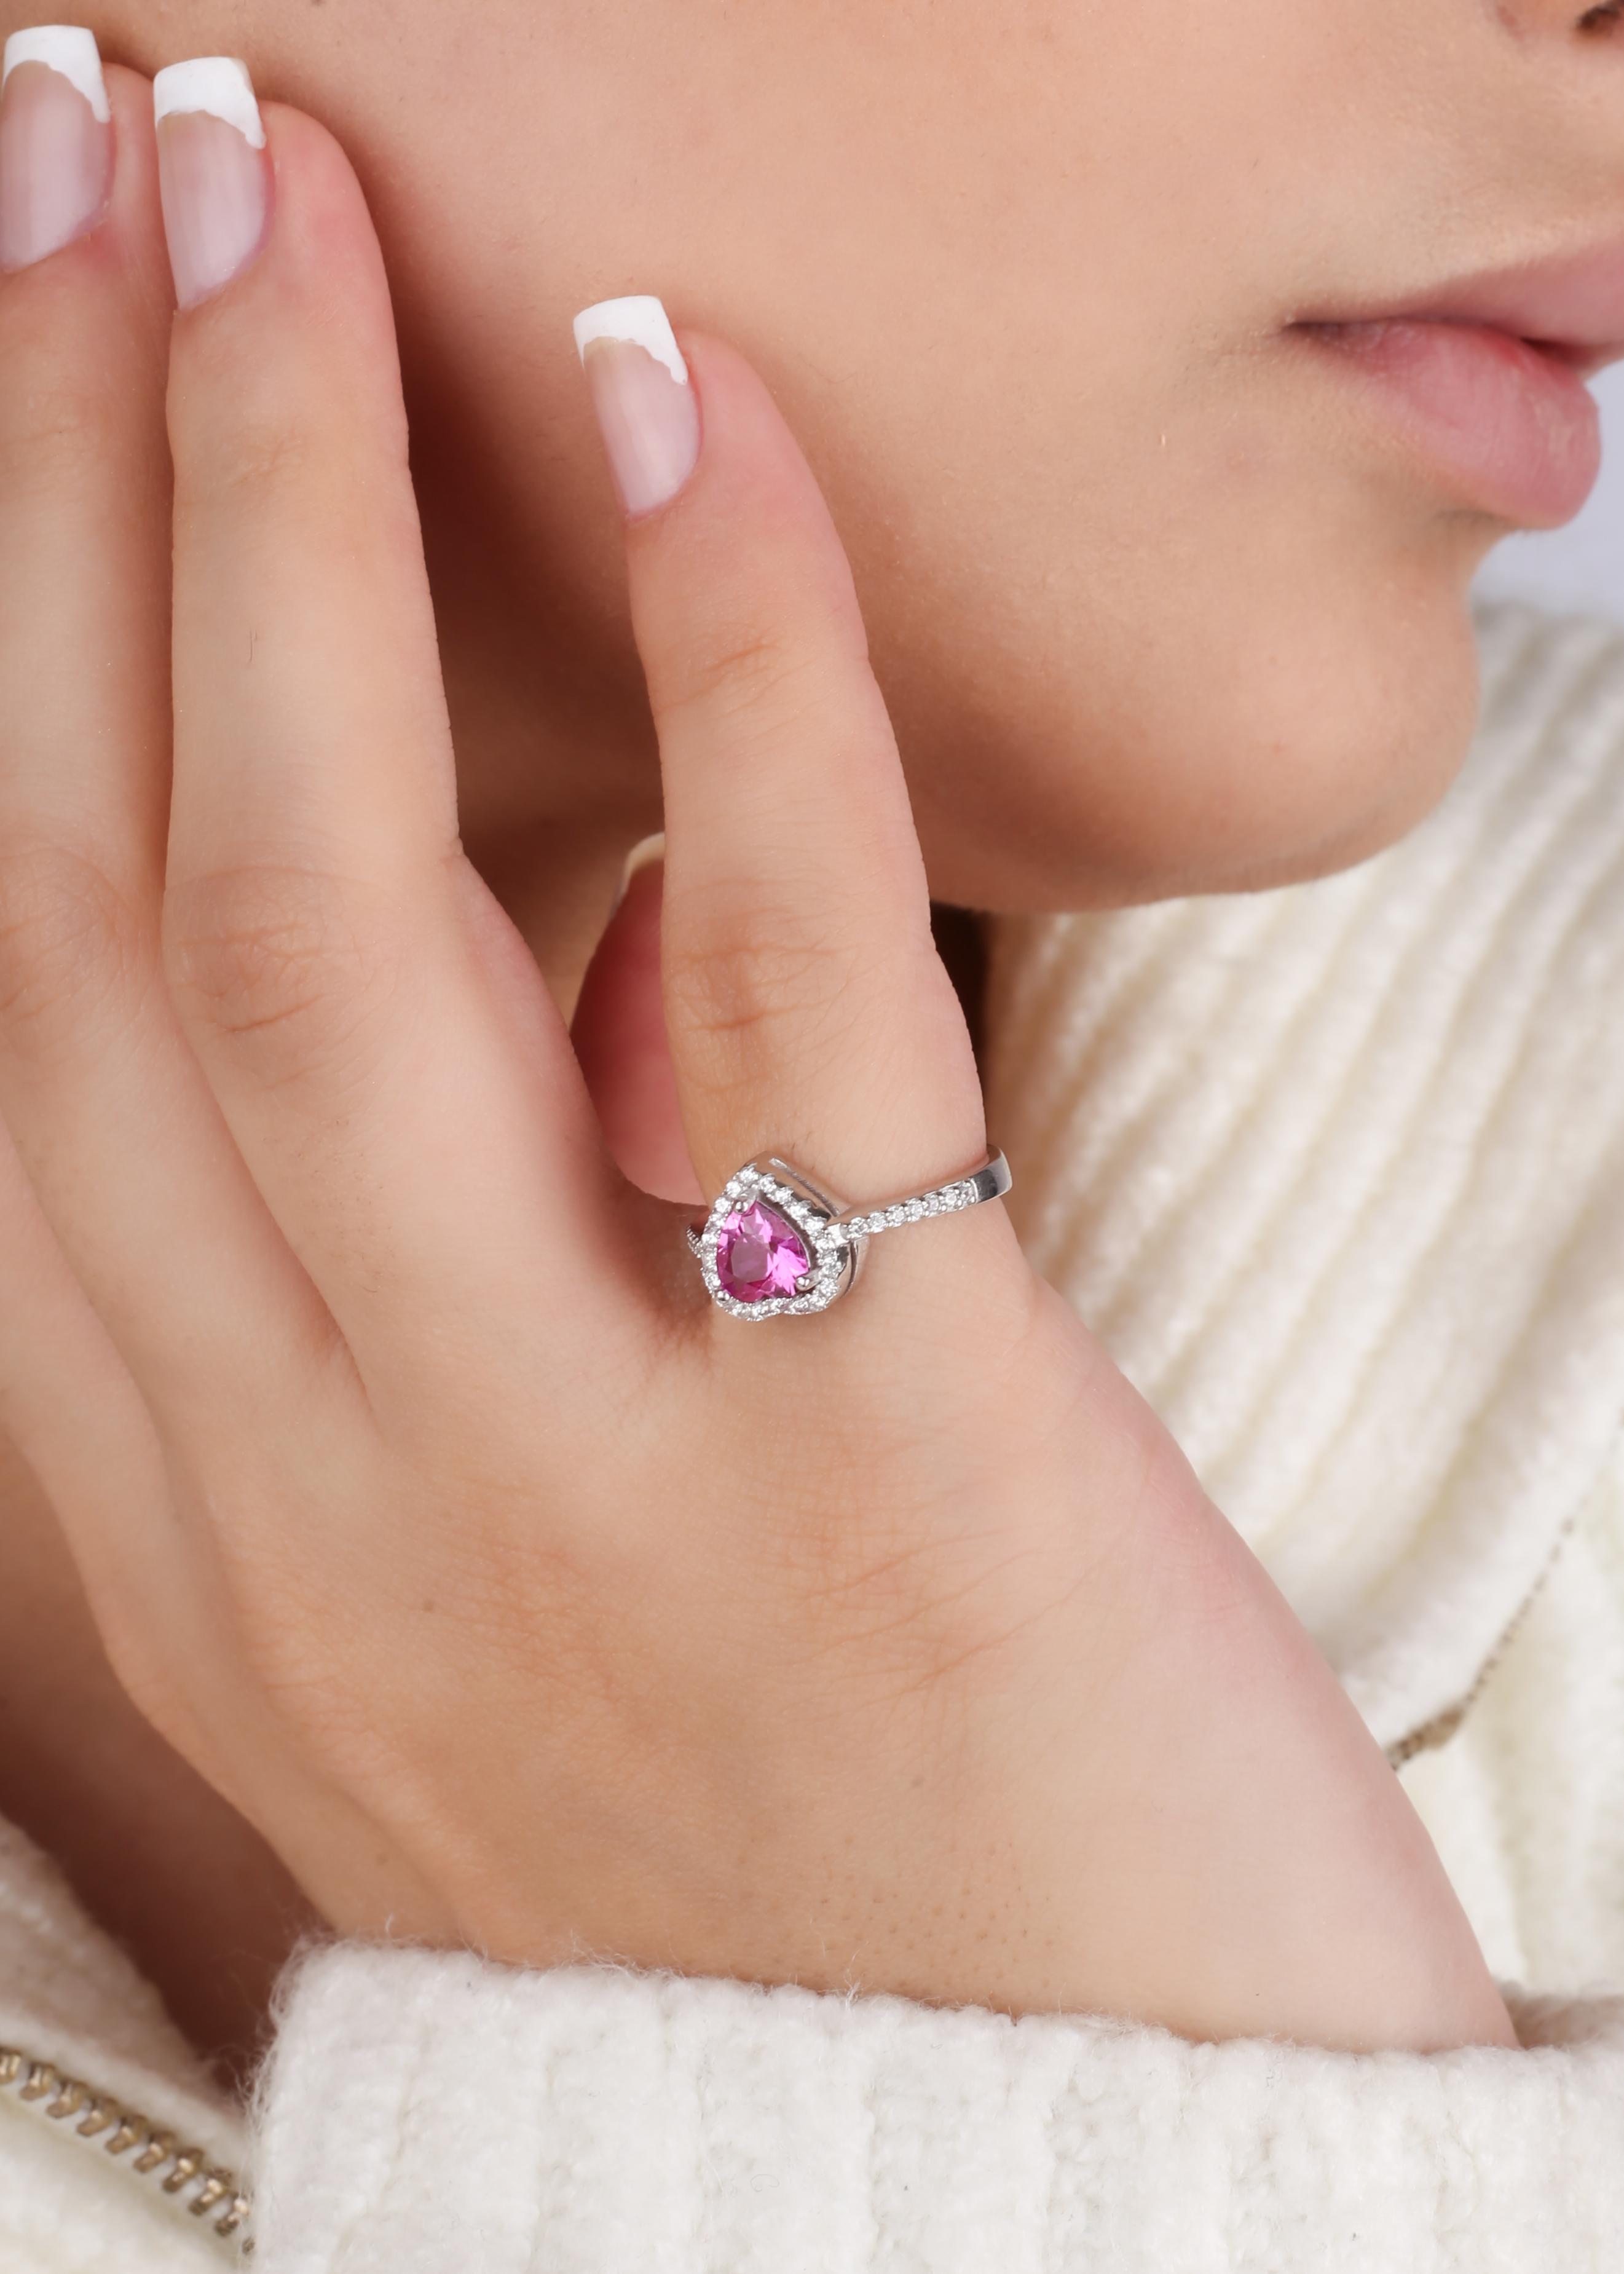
column 1338, row 1173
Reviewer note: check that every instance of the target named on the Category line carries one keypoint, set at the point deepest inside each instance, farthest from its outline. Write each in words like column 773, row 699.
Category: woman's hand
column 520, row 1597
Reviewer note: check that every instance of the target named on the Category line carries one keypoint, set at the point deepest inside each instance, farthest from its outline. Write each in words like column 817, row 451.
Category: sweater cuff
column 437, row 2111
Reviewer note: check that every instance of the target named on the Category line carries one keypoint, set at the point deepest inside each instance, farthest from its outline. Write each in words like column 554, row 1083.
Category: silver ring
column 776, row 1245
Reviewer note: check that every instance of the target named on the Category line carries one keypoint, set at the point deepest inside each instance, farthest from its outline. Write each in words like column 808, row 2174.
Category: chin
column 1296, row 739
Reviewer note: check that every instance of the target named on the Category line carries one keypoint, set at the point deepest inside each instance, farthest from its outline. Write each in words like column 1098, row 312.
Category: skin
column 371, row 1533
column 1153, row 606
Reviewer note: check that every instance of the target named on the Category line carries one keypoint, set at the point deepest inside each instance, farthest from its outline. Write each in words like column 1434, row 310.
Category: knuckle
column 288, row 962
column 55, row 434
column 741, row 672
column 251, row 461
column 744, row 994
column 269, row 432
column 69, row 939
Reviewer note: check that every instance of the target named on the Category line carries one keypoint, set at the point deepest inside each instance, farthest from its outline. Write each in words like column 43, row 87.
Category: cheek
column 1281, row 732
column 1232, row 650
column 1234, row 736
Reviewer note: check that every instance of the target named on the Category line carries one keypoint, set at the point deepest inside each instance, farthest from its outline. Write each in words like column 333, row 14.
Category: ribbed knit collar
column 69, row 1995
column 1338, row 1174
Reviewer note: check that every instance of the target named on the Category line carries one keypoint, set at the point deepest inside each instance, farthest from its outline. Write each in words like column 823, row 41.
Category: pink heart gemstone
column 760, row 1254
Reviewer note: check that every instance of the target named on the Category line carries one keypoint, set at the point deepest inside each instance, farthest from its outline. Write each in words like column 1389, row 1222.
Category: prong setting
column 787, row 1192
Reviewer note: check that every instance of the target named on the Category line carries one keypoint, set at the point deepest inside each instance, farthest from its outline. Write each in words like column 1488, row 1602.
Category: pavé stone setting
column 774, row 1246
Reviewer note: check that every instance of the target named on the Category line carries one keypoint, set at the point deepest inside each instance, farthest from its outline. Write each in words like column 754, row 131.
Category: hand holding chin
column 519, row 1594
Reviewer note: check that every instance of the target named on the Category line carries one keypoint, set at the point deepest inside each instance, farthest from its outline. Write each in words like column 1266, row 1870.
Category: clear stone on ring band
column 776, row 1244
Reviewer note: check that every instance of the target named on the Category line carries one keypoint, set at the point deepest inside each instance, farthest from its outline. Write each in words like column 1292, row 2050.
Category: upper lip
column 1571, row 305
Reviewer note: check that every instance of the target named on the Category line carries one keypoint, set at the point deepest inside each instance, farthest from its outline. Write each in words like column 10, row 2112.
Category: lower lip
column 1512, row 428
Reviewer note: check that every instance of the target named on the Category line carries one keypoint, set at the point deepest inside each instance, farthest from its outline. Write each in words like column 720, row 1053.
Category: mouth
column 1484, row 380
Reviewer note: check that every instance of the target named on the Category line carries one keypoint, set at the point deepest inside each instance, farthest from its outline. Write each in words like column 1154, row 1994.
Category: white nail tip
column 219, row 85
column 65, row 47
column 642, row 319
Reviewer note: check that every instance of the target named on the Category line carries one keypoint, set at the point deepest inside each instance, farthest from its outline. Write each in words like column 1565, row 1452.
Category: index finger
column 808, row 1012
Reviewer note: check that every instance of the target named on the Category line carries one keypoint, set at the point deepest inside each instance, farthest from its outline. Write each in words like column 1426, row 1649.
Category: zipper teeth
column 1437, row 1732
column 206, row 2191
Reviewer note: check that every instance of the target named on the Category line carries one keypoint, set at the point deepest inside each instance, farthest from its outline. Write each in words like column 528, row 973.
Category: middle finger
column 381, row 1042
column 106, row 1104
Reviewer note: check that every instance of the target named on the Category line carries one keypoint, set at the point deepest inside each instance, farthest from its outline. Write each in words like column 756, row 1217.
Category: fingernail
column 56, row 142
column 212, row 172
column 641, row 392
column 642, row 855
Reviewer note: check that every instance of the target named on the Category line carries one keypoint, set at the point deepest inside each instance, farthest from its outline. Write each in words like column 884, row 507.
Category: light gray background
column 1578, row 570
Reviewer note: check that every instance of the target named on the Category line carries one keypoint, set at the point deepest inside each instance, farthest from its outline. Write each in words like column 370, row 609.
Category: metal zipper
column 1437, row 1732
column 196, row 2186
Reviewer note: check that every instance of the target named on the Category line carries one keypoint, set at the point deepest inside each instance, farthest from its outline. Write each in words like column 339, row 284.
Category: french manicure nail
column 644, row 401
column 212, row 172
column 642, row 855
column 55, row 141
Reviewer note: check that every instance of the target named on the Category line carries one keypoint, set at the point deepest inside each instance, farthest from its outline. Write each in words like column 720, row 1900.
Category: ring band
column 777, row 1245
